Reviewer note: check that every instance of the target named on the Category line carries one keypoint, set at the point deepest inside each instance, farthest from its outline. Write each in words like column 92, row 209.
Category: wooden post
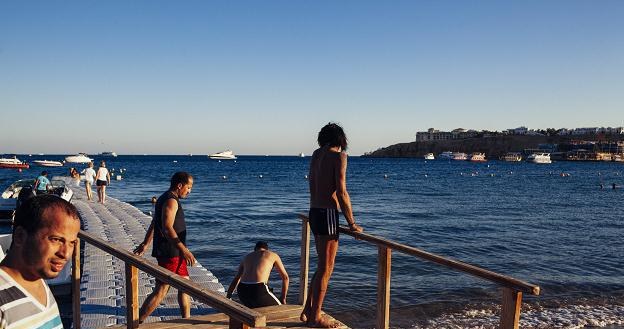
column 305, row 261
column 75, row 285
column 132, row 297
column 235, row 324
column 510, row 310
column 384, row 258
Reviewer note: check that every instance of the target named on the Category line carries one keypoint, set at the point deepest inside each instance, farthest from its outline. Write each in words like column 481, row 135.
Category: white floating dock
column 102, row 286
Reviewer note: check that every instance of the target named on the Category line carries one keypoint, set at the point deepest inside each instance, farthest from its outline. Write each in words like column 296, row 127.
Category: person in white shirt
column 102, row 179
column 89, row 174
column 45, row 232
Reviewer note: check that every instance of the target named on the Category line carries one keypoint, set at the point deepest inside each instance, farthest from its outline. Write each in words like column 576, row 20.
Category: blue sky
column 262, row 77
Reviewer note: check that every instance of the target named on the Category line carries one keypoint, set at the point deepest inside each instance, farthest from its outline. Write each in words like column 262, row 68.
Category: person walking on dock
column 90, row 175
column 253, row 276
column 168, row 231
column 45, row 232
column 102, row 179
column 328, row 195
column 42, row 183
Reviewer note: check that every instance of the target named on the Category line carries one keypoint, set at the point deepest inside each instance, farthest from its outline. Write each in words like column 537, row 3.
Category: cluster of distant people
column 46, row 228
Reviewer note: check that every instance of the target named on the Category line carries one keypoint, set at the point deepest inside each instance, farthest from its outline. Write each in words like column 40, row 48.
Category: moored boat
column 108, row 154
column 448, row 155
column 512, row 157
column 477, row 157
column 460, row 156
column 78, row 158
column 48, row 163
column 225, row 155
column 539, row 158
column 13, row 163
column 429, row 156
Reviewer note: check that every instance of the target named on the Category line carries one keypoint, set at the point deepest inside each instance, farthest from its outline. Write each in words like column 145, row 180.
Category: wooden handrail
column 237, row 312
column 500, row 279
column 511, row 292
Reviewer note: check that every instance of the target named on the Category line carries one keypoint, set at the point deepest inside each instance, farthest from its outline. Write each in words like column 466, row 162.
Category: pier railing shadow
column 512, row 288
column 240, row 316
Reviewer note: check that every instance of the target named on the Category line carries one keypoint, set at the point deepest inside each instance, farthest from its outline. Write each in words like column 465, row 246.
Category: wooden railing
column 240, row 316
column 512, row 288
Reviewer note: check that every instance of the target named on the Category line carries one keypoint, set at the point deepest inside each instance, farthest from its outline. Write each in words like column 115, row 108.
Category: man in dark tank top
column 168, row 231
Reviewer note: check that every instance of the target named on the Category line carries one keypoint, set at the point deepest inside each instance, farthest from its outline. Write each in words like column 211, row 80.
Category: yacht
column 48, row 163
column 539, row 158
column 448, row 155
column 460, row 156
column 225, row 155
column 108, row 154
column 477, row 157
column 512, row 157
column 429, row 156
column 302, row 155
column 78, row 158
column 13, row 163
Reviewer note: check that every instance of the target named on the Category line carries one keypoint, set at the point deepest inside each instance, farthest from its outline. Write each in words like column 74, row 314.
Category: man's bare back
column 323, row 167
column 257, row 266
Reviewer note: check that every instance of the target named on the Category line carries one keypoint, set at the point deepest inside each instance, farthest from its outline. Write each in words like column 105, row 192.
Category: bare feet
column 305, row 314
column 323, row 322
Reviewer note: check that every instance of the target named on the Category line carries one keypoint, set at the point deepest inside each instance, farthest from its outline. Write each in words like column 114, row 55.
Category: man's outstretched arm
column 235, row 281
column 285, row 279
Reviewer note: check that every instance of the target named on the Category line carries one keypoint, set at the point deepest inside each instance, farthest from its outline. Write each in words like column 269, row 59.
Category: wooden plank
column 236, row 324
column 75, row 284
column 510, row 309
column 211, row 298
column 384, row 265
column 305, row 261
column 503, row 280
column 132, row 297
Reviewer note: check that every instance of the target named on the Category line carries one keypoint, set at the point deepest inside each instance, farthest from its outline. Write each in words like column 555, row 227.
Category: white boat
column 108, row 154
column 301, row 155
column 13, row 163
column 512, row 157
column 477, row 157
column 429, row 156
column 225, row 155
column 8, row 202
column 460, row 156
column 539, row 158
column 448, row 155
column 48, row 163
column 78, row 158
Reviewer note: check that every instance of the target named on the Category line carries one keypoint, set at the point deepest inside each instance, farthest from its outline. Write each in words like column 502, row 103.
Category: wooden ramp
column 283, row 316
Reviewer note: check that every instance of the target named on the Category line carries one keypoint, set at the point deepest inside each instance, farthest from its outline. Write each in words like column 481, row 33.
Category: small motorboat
column 539, row 158
column 477, row 157
column 512, row 157
column 460, row 156
column 48, row 163
column 429, row 156
column 225, row 155
column 448, row 155
column 8, row 202
column 108, row 154
column 78, row 158
column 13, row 163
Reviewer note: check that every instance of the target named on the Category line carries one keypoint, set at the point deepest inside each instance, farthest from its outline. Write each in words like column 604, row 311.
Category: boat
column 302, row 155
column 13, row 163
column 460, row 156
column 78, row 158
column 448, row 155
column 108, row 154
column 48, row 163
column 539, row 158
column 512, row 157
column 10, row 195
column 225, row 155
column 477, row 157
column 429, row 156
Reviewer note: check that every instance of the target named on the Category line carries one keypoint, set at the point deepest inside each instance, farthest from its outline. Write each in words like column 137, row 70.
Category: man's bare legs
column 185, row 303
column 326, row 249
column 153, row 300
column 89, row 191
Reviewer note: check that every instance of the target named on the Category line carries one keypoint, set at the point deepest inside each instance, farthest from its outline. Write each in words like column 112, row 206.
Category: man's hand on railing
column 140, row 249
column 355, row 228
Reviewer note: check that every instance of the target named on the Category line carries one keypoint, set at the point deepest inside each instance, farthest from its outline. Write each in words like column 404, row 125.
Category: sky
column 262, row 77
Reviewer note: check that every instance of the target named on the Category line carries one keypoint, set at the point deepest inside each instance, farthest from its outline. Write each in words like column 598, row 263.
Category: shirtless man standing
column 253, row 275
column 328, row 195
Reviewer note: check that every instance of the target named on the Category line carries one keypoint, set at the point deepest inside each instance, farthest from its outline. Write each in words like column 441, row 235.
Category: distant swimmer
column 251, row 281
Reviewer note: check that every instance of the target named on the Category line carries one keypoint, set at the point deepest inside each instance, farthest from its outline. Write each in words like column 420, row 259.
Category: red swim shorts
column 176, row 265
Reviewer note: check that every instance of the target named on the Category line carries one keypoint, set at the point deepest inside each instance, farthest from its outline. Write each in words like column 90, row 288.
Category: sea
column 559, row 226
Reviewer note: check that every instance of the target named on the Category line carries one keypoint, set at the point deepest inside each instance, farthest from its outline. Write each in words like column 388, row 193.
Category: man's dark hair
column 261, row 245
column 181, row 177
column 332, row 135
column 30, row 212
column 43, row 173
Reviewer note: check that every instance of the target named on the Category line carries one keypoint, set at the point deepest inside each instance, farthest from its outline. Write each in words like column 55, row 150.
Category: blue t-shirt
column 43, row 183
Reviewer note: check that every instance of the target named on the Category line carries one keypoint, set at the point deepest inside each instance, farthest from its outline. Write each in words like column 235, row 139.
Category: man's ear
column 19, row 236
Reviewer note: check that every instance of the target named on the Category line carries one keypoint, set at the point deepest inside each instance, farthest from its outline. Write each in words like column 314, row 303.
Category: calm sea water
column 519, row 219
